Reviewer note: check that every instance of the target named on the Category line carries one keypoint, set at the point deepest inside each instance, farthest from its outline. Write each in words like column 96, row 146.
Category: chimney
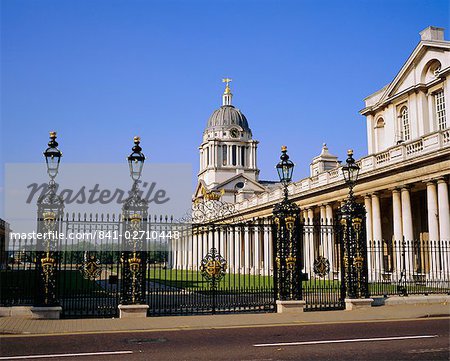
column 432, row 33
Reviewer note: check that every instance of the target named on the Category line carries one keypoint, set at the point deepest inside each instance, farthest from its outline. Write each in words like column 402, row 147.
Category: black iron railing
column 236, row 277
column 409, row 267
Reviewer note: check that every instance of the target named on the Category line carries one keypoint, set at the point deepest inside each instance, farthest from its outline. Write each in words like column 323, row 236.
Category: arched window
column 404, row 116
column 379, row 133
column 233, row 154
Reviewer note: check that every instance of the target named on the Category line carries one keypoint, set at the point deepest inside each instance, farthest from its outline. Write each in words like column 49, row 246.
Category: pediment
column 250, row 185
column 228, row 186
column 409, row 74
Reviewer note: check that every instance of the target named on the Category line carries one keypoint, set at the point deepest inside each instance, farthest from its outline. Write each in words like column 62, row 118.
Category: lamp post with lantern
column 133, row 255
column 352, row 220
column 287, row 241
column 50, row 210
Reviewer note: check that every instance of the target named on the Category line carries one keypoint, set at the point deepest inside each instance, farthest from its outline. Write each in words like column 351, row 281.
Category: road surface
column 423, row 339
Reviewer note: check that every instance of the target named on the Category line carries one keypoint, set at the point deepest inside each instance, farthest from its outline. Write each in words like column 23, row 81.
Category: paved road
column 425, row 339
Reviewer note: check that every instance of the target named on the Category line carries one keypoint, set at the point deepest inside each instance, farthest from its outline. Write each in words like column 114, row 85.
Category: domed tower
column 227, row 149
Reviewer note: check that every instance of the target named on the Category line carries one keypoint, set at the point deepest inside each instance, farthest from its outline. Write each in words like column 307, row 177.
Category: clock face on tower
column 234, row 133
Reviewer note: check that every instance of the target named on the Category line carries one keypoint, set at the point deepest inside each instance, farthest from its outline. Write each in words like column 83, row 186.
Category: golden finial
column 284, row 148
column 350, row 152
column 227, row 87
column 227, row 80
column 137, row 139
column 52, row 134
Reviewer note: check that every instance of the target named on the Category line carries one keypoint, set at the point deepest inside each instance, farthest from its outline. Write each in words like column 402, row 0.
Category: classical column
column 433, row 228
column 267, row 253
column 230, row 255
column 194, row 236
column 444, row 212
column 256, row 232
column 190, row 242
column 323, row 229
column 444, row 224
column 221, row 244
column 377, row 236
column 329, row 236
column 407, row 229
column 237, row 248
column 369, row 236
column 376, row 218
column 309, row 238
column 305, row 250
column 398, row 230
column 247, row 264
column 432, row 209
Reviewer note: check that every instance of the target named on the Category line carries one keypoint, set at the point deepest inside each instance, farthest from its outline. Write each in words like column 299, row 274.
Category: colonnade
column 248, row 248
column 413, row 253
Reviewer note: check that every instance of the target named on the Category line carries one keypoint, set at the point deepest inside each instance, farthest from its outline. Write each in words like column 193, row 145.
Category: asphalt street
column 420, row 339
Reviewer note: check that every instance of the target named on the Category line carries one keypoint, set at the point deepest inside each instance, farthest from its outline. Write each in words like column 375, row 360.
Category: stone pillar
column 305, row 250
column 230, row 255
column 432, row 210
column 433, row 229
column 377, row 237
column 195, row 245
column 444, row 224
column 190, row 240
column 329, row 237
column 398, row 230
column 247, row 264
column 369, row 236
column 376, row 218
column 444, row 212
column 310, row 240
column 257, row 262
column 407, row 230
column 323, row 235
column 237, row 249
column 221, row 246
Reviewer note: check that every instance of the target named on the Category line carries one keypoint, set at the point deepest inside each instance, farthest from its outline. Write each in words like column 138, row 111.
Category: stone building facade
column 403, row 181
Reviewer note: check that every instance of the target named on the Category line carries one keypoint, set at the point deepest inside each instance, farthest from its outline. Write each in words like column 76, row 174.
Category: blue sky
column 101, row 71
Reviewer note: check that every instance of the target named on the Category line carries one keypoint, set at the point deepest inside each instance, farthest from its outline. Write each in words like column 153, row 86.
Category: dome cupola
column 227, row 115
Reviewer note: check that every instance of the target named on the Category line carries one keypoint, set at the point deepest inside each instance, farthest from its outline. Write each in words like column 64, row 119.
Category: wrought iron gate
column 203, row 270
column 89, row 270
column 323, row 288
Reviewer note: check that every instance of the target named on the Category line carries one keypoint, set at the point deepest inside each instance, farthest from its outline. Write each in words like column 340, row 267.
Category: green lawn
column 193, row 280
column 21, row 284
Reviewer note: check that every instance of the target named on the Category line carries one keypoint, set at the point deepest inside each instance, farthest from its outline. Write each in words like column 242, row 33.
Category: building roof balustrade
column 426, row 144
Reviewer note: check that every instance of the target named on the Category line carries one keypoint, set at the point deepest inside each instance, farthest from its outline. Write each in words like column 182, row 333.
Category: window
column 440, row 109
column 233, row 154
column 243, row 156
column 207, row 156
column 379, row 133
column 405, row 123
column 224, row 155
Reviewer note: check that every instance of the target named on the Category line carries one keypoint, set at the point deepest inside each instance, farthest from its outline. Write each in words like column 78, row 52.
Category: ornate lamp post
column 351, row 172
column 285, row 168
column 134, row 213
column 352, row 218
column 50, row 209
column 287, row 245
